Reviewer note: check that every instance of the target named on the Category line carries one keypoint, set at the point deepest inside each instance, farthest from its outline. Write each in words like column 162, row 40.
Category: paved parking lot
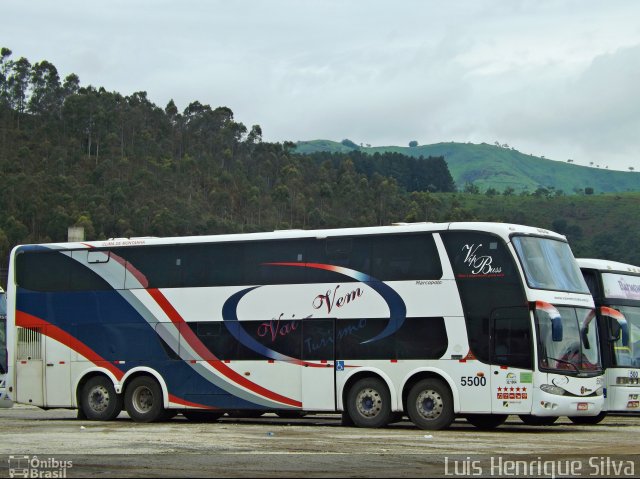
column 314, row 446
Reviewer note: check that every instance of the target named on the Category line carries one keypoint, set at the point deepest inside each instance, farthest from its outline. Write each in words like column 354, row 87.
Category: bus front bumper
column 547, row 404
column 623, row 399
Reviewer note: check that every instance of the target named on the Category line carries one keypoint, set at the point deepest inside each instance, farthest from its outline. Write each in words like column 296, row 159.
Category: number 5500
column 473, row 381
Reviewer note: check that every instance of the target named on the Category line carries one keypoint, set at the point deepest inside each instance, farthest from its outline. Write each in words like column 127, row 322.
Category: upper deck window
column 549, row 264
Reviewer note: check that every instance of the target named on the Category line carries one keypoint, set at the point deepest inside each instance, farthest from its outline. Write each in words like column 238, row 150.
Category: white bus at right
column 615, row 288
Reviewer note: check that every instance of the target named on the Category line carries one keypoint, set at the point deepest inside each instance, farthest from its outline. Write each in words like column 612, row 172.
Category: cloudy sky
column 555, row 78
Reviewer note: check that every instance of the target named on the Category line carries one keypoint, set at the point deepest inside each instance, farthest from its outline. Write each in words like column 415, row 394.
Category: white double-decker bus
column 4, row 398
column 479, row 320
column 616, row 291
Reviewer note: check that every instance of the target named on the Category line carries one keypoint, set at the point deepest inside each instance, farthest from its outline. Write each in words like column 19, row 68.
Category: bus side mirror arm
column 614, row 329
column 619, row 330
column 556, row 329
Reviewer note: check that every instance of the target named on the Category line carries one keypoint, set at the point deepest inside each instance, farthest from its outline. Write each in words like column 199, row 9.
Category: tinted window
column 388, row 258
column 511, row 337
column 55, row 271
column 211, row 265
column 161, row 266
column 48, row 271
column 487, row 279
column 250, row 340
column 418, row 338
column 406, row 257
column 259, row 259
column 318, row 340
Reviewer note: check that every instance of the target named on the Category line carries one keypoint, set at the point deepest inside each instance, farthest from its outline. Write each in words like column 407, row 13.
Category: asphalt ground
column 37, row 443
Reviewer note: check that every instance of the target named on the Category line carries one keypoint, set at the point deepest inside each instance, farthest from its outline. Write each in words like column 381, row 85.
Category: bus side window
column 406, row 257
column 511, row 338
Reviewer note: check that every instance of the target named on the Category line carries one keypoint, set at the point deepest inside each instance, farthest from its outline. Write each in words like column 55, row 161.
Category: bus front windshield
column 549, row 264
column 627, row 350
column 567, row 339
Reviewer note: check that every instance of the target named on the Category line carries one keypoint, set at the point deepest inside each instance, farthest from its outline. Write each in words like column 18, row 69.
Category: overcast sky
column 555, row 78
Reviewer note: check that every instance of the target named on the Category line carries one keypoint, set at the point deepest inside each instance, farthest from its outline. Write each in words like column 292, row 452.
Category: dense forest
column 120, row 166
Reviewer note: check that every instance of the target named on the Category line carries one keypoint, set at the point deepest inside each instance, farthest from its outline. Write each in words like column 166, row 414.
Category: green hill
column 490, row 166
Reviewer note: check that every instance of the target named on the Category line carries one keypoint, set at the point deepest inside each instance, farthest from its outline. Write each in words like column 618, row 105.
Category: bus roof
column 607, row 266
column 501, row 229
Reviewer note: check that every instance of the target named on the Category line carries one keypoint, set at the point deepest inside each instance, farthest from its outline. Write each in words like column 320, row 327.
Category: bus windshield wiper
column 566, row 362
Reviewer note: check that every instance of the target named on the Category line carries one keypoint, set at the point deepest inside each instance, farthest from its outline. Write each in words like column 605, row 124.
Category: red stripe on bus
column 184, row 402
column 26, row 320
column 203, row 351
column 142, row 279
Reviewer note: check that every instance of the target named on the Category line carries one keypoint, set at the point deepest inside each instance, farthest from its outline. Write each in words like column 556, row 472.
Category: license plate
column 633, row 404
column 583, row 406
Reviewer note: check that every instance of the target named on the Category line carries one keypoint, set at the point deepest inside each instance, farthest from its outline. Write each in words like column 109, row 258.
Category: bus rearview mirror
column 556, row 329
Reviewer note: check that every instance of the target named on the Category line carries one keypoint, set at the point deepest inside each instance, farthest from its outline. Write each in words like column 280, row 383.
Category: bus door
column 29, row 366
column 511, row 361
column 57, row 373
column 43, row 369
column 319, row 369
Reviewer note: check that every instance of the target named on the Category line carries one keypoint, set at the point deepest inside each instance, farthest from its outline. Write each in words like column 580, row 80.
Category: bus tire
column 369, row 403
column 530, row 420
column 143, row 400
column 486, row 421
column 588, row 420
column 196, row 415
column 430, row 404
column 99, row 401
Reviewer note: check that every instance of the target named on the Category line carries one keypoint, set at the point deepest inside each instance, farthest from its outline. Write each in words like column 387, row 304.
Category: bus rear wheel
column 99, row 401
column 369, row 403
column 587, row 420
column 143, row 400
column 430, row 405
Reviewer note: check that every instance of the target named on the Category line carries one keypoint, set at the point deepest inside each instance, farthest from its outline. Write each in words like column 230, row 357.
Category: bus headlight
column 552, row 389
column 600, row 391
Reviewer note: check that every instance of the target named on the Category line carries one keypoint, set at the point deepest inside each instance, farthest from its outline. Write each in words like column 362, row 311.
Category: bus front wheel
column 369, row 403
column 586, row 420
column 99, row 401
column 143, row 400
column 430, row 405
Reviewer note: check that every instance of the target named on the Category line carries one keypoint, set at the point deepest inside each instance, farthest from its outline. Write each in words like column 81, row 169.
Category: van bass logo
column 480, row 265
